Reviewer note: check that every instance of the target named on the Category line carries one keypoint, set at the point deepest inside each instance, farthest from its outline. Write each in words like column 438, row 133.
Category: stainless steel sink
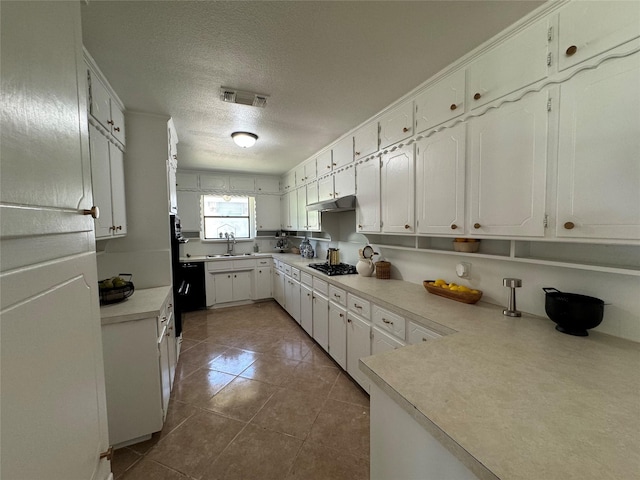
column 226, row 255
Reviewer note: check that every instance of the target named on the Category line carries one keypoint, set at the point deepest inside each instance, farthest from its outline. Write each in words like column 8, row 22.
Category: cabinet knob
column 228, row 276
column 360, row 226
column 93, row 211
column 235, row 276
column 108, row 454
column 424, row 339
column 405, row 129
column 477, row 96
column 571, row 50
column 454, row 226
column 569, row 225
column 119, row 227
column 110, row 122
column 407, row 227
column 476, row 225
column 348, row 320
column 117, row 129
column 341, row 315
column 164, row 319
column 329, row 167
column 357, row 154
column 453, row 106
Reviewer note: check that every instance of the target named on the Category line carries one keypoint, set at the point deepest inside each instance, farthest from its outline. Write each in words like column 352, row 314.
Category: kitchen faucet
column 230, row 237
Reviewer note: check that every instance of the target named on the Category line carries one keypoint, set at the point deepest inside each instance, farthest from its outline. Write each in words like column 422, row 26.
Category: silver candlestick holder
column 512, row 283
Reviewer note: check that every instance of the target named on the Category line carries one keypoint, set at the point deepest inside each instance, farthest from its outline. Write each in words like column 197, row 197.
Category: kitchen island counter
column 144, row 303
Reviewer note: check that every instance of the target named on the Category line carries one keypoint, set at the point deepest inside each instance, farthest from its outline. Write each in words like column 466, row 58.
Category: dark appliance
column 176, row 240
column 573, row 313
column 331, row 270
column 191, row 289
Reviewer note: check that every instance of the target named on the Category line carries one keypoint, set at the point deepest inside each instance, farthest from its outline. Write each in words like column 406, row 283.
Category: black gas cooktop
column 340, row 269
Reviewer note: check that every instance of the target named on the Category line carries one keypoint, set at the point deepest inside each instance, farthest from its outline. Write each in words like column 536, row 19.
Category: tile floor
column 254, row 398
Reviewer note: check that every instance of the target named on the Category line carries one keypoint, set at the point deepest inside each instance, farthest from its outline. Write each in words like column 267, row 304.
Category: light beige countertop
column 511, row 397
column 144, row 303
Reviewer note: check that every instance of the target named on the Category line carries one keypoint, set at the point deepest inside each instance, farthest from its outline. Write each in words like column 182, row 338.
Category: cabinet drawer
column 320, row 286
column 306, row 278
column 418, row 333
column 295, row 273
column 337, row 295
column 264, row 262
column 389, row 321
column 163, row 321
column 286, row 269
column 220, row 266
column 359, row 306
column 245, row 264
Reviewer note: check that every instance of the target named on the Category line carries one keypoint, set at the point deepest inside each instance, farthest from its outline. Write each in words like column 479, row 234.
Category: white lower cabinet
column 418, row 334
column 382, row 341
column 306, row 309
column 262, row 283
column 278, row 287
column 139, row 362
column 292, row 297
column 321, row 320
column 338, row 334
column 226, row 282
column 358, row 346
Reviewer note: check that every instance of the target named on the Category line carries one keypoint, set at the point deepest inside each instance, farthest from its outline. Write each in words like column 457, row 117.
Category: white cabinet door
column 189, row 210
column 288, row 181
column 242, row 184
column 306, row 309
column 310, row 172
column 117, row 127
column 165, row 369
column 418, row 334
column 358, row 346
column 344, row 182
column 267, row 184
column 300, row 178
column 173, row 194
column 343, row 152
column 442, row 101
column 338, row 334
column 383, row 342
column 365, row 141
column 100, row 106
column 301, row 208
column 313, row 217
column 321, row 320
column 325, row 188
column 368, row 196
column 223, row 285
column 214, row 182
column 210, row 288
column 101, row 181
column 293, row 210
column 263, row 283
column 396, row 125
column 440, row 182
column 508, row 155
column 590, row 28
column 278, row 287
column 186, row 181
column 599, row 153
column 516, row 63
column 118, row 204
column 292, row 297
column 242, row 285
column 324, row 163
column 397, row 191
column 267, row 212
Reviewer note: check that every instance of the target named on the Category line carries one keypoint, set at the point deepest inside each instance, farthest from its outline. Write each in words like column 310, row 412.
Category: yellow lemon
column 475, row 291
column 439, row 282
column 455, row 288
column 462, row 288
column 444, row 285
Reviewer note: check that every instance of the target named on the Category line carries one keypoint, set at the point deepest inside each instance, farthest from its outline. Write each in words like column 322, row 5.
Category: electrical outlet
column 463, row 270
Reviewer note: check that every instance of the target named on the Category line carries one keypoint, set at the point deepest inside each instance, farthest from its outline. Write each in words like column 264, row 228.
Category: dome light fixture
column 244, row 139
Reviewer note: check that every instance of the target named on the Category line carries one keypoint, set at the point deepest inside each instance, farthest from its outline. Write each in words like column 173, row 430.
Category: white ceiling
column 327, row 66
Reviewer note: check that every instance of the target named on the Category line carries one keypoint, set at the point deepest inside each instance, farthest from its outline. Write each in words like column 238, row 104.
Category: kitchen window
column 226, row 214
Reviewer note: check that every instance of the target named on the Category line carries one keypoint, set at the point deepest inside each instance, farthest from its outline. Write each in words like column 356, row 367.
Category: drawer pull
column 388, row 322
column 336, row 295
column 569, row 225
column 424, row 339
column 357, row 306
column 164, row 319
column 108, row 454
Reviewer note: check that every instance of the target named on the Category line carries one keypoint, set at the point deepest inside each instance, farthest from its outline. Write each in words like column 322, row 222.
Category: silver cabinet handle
column 388, row 322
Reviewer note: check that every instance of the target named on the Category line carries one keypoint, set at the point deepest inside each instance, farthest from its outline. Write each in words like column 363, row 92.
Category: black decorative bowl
column 573, row 313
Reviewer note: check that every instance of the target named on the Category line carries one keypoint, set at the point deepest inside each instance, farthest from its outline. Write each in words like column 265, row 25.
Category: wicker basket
column 383, row 270
column 464, row 297
column 116, row 294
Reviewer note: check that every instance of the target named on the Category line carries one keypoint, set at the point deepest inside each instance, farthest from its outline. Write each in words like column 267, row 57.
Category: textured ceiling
column 327, row 66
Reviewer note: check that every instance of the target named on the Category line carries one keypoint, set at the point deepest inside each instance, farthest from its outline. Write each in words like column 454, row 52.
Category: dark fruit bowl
column 573, row 313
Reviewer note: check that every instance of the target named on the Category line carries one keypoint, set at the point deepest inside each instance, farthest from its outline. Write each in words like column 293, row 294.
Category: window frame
column 251, row 218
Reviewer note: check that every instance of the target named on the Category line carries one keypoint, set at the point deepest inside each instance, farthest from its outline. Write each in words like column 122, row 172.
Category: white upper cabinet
column 397, row 179
column 293, row 210
column 289, row 181
column 368, row 196
column 325, row 188
column 508, row 155
column 324, row 163
column 189, row 210
column 343, row 152
column 599, row 153
column 267, row 185
column 310, row 171
column 344, row 182
column 301, row 198
column 242, row 184
column 299, row 173
column 514, row 64
column 313, row 217
column 440, row 182
column 186, row 181
column 442, row 101
column 104, row 107
column 396, row 125
column 365, row 140
column 590, row 28
column 267, row 212
column 214, row 182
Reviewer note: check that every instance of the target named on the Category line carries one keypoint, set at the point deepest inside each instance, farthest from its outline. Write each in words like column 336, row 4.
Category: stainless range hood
column 334, row 205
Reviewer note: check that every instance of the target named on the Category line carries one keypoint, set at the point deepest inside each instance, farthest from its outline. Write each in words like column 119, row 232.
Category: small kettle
column 365, row 266
column 333, row 256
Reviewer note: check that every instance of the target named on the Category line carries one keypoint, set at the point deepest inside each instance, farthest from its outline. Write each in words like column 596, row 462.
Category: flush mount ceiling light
column 244, row 139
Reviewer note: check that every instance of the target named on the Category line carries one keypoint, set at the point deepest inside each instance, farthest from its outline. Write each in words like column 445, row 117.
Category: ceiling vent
column 231, row 95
